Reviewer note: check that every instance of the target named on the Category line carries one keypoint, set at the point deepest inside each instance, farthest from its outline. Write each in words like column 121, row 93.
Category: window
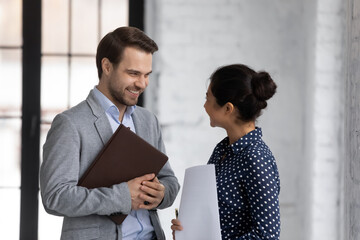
column 10, row 115
column 68, row 71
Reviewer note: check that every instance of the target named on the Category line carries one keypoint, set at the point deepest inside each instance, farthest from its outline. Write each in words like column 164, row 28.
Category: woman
column 247, row 177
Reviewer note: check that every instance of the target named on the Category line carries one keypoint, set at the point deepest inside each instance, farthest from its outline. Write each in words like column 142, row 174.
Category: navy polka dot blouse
column 248, row 187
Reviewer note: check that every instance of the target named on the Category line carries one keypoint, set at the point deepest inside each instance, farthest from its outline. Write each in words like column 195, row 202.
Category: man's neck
column 121, row 113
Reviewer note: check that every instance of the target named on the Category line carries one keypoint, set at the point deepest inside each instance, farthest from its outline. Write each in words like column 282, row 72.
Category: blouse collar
column 244, row 141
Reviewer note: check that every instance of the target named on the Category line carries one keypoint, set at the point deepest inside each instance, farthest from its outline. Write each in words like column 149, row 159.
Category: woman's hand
column 176, row 226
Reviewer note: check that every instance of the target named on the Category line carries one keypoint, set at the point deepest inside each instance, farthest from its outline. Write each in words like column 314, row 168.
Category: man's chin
column 131, row 103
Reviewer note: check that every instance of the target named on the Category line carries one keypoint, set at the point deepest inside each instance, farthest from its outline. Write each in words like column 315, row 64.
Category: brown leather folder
column 124, row 157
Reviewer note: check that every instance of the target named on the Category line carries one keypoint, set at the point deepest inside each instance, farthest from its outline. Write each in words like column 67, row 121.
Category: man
column 124, row 62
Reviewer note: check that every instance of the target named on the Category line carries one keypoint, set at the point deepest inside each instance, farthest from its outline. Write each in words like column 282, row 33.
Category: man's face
column 124, row 83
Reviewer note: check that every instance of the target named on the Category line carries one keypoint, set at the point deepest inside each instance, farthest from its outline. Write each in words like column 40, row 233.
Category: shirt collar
column 244, row 141
column 129, row 110
column 109, row 107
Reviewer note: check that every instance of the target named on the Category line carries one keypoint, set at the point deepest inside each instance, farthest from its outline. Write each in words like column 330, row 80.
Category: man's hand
column 153, row 193
column 146, row 189
column 136, row 192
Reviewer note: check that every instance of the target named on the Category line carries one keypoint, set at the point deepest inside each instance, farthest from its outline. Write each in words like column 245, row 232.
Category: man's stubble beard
column 120, row 98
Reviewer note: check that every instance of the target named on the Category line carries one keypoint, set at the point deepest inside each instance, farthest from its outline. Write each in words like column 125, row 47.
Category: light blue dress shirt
column 137, row 224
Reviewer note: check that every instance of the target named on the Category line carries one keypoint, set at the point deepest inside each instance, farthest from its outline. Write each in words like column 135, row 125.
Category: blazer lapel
column 138, row 123
column 141, row 124
column 102, row 124
column 104, row 129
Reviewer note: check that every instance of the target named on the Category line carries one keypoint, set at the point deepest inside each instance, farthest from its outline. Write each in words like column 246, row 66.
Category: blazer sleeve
column 59, row 174
column 166, row 175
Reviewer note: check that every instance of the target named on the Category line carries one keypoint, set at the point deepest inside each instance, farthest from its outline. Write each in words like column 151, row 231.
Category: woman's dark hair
column 246, row 89
column 113, row 44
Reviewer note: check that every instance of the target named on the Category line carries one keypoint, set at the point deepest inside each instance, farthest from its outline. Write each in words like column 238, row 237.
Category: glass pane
column 54, row 86
column 10, row 213
column 55, row 26
column 10, row 152
column 10, row 23
column 84, row 34
column 11, row 82
column 83, row 78
column 115, row 13
column 49, row 225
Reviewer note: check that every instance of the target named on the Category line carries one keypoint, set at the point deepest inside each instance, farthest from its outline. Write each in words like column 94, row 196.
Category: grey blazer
column 75, row 138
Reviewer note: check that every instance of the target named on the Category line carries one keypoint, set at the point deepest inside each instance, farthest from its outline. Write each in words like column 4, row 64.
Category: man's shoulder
column 146, row 123
column 143, row 113
column 89, row 106
column 143, row 110
column 82, row 107
column 80, row 112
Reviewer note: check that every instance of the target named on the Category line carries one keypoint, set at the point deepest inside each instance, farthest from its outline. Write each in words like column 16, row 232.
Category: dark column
column 30, row 136
column 136, row 13
column 136, row 19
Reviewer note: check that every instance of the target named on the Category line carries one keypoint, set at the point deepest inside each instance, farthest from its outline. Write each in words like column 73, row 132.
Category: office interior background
column 310, row 47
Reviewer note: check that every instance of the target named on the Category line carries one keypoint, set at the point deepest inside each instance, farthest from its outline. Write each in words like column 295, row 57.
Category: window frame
column 31, row 108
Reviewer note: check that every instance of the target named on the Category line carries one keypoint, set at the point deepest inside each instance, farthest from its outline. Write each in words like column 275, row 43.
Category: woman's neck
column 237, row 131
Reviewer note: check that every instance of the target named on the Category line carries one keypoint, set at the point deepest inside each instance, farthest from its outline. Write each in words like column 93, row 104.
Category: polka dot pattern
column 248, row 187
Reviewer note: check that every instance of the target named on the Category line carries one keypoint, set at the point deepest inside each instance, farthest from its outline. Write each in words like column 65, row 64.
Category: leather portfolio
column 124, row 157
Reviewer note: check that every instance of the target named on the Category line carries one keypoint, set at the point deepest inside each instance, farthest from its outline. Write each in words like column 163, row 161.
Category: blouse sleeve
column 261, row 183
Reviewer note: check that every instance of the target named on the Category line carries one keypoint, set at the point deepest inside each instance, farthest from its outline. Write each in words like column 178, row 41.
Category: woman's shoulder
column 258, row 148
column 257, row 153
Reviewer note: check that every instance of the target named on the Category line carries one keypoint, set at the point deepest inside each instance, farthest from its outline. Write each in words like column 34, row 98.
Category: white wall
column 327, row 122
column 283, row 37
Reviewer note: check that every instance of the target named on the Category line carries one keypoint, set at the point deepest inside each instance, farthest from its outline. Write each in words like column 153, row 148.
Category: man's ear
column 106, row 66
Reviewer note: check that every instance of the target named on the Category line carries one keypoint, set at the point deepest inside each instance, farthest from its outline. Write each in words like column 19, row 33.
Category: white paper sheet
column 199, row 212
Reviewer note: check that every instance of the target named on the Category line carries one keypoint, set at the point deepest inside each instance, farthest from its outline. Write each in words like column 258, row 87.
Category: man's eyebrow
column 136, row 71
column 149, row 73
column 132, row 70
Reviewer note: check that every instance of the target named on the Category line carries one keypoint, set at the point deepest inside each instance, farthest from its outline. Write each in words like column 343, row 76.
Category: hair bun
column 263, row 87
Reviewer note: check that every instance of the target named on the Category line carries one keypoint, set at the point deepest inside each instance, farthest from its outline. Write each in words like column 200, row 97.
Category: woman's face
column 213, row 109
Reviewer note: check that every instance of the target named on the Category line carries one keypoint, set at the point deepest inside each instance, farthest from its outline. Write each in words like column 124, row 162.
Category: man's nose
column 142, row 82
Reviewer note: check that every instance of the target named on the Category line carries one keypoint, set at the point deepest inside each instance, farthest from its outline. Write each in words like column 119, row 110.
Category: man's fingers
column 154, row 185
column 147, row 177
column 148, row 190
column 135, row 190
column 147, row 205
column 156, row 180
column 145, row 193
column 151, row 201
column 152, row 189
column 148, row 200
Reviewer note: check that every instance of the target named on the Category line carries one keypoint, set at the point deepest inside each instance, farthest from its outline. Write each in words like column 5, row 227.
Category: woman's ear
column 106, row 66
column 229, row 108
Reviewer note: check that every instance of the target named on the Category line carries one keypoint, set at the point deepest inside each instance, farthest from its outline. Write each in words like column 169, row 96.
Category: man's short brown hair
column 113, row 44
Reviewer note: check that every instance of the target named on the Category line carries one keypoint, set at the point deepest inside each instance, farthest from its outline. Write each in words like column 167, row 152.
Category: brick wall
column 352, row 125
column 282, row 37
